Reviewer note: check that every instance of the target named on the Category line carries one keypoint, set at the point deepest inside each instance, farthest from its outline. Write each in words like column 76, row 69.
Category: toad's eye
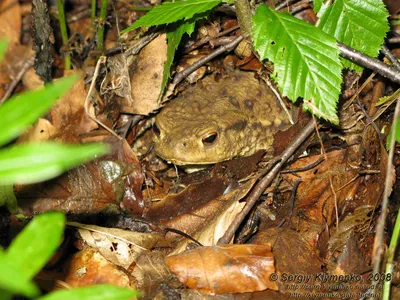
column 156, row 129
column 210, row 138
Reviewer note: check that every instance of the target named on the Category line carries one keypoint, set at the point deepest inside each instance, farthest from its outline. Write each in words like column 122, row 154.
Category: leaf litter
column 300, row 236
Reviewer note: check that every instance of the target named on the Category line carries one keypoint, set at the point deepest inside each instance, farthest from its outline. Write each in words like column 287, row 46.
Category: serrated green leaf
column 170, row 12
column 30, row 163
column 306, row 60
column 317, row 5
column 3, row 48
column 360, row 24
column 20, row 111
column 95, row 292
column 36, row 243
column 7, row 197
column 174, row 37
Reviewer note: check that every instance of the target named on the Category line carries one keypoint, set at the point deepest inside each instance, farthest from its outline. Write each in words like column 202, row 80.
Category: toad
column 217, row 120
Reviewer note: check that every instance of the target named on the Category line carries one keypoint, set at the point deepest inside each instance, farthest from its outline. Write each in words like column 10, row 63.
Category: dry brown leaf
column 112, row 182
column 10, row 20
column 225, row 269
column 358, row 221
column 218, row 221
column 89, row 267
column 31, row 80
column 121, row 247
column 314, row 198
column 147, row 76
column 68, row 114
column 150, row 271
column 16, row 54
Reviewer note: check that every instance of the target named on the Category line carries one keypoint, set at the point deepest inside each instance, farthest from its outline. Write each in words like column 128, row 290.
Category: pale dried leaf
column 225, row 269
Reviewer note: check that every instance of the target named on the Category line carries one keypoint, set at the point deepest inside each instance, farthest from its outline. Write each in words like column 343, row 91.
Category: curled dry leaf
column 122, row 247
column 211, row 225
column 89, row 267
column 147, row 76
column 225, row 269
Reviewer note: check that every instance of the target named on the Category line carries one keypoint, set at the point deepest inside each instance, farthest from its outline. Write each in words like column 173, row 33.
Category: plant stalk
column 244, row 16
column 64, row 32
column 93, row 11
column 102, row 21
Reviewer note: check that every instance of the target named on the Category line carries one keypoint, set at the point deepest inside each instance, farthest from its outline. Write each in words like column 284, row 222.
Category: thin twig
column 207, row 39
column 306, row 168
column 25, row 67
column 102, row 60
column 259, row 189
column 390, row 56
column 348, row 103
column 278, row 96
column 227, row 48
column 285, row 4
column 377, row 250
column 369, row 62
column 292, row 200
column 370, row 121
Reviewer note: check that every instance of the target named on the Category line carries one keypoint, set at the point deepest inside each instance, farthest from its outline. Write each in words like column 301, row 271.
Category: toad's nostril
column 184, row 144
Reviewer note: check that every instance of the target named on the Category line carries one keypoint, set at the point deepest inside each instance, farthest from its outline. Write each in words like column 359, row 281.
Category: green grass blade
column 22, row 110
column 170, row 12
column 36, row 243
column 306, row 60
column 96, row 292
column 30, row 163
column 12, row 281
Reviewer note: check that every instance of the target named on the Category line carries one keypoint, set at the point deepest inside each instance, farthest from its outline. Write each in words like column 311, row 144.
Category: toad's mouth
column 186, row 161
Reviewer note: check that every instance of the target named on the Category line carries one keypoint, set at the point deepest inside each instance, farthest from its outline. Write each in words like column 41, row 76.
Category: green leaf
column 30, row 163
column 385, row 99
column 396, row 124
column 317, row 5
column 173, row 39
column 95, row 292
column 3, row 48
column 7, row 197
column 170, row 12
column 22, row 110
column 36, row 243
column 360, row 24
column 306, row 60
column 13, row 281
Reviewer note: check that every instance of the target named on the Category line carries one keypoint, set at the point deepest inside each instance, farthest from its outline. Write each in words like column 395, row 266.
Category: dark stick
column 259, row 189
column 227, row 48
column 390, row 56
column 369, row 62
column 306, row 168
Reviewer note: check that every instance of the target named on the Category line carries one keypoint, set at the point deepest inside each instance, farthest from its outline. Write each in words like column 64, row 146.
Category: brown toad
column 215, row 121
